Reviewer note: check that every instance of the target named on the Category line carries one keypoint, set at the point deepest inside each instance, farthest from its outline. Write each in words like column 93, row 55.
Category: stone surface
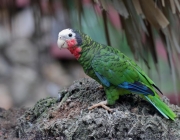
column 4, row 68
column 22, row 83
column 5, row 98
column 4, row 35
column 23, row 52
column 56, row 73
column 23, row 24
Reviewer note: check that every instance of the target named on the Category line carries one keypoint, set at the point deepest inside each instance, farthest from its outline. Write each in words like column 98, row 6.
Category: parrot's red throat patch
column 73, row 48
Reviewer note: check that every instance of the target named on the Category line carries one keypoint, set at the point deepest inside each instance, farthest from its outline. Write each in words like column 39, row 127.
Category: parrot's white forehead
column 66, row 32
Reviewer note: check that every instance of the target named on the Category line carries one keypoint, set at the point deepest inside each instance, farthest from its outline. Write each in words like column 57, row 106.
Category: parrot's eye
column 70, row 35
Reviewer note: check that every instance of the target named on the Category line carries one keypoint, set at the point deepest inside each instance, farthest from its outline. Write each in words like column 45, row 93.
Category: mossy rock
column 132, row 119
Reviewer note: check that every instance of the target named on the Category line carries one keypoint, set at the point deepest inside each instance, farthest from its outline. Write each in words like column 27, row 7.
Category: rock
column 53, row 89
column 56, row 77
column 5, row 35
column 22, row 3
column 23, row 24
column 4, row 68
column 5, row 98
column 22, row 83
column 22, row 52
column 76, row 70
column 46, row 24
column 55, row 73
column 39, row 91
column 71, row 120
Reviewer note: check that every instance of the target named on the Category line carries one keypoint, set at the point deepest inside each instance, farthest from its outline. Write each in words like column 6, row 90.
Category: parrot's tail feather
column 157, row 89
column 161, row 107
column 137, row 87
column 157, row 107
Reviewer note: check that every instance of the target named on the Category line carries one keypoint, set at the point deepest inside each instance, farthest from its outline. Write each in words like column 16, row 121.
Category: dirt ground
column 8, row 123
column 70, row 119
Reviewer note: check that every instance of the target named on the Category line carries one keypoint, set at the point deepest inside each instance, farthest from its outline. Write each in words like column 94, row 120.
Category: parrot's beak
column 61, row 43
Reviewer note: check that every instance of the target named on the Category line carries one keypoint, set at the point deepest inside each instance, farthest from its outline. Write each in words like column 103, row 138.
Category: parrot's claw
column 100, row 87
column 102, row 104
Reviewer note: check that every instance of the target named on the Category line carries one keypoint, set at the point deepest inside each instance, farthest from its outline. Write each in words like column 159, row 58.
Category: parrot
column 118, row 74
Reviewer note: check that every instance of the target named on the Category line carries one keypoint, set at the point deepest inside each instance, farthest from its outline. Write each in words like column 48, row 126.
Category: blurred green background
column 32, row 67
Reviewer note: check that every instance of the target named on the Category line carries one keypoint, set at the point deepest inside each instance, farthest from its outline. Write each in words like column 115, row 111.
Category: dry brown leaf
column 134, row 16
column 137, row 7
column 150, row 43
column 104, row 14
column 129, row 35
column 133, row 36
column 177, row 4
column 80, row 10
column 153, row 14
column 171, row 57
column 163, row 38
column 173, row 6
column 104, row 4
column 174, row 40
column 163, row 3
column 120, row 7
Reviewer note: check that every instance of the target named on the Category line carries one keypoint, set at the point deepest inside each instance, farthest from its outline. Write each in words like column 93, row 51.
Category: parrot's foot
column 102, row 104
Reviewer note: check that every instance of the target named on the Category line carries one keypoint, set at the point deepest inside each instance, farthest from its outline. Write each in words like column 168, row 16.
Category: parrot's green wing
column 114, row 68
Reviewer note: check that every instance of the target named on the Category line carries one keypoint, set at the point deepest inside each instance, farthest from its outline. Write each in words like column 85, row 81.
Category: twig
column 132, row 128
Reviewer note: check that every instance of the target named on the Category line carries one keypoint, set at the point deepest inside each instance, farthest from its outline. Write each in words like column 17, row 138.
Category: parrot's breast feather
column 73, row 48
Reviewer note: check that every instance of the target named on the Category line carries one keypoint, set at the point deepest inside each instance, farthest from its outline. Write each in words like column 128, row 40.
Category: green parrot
column 117, row 73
